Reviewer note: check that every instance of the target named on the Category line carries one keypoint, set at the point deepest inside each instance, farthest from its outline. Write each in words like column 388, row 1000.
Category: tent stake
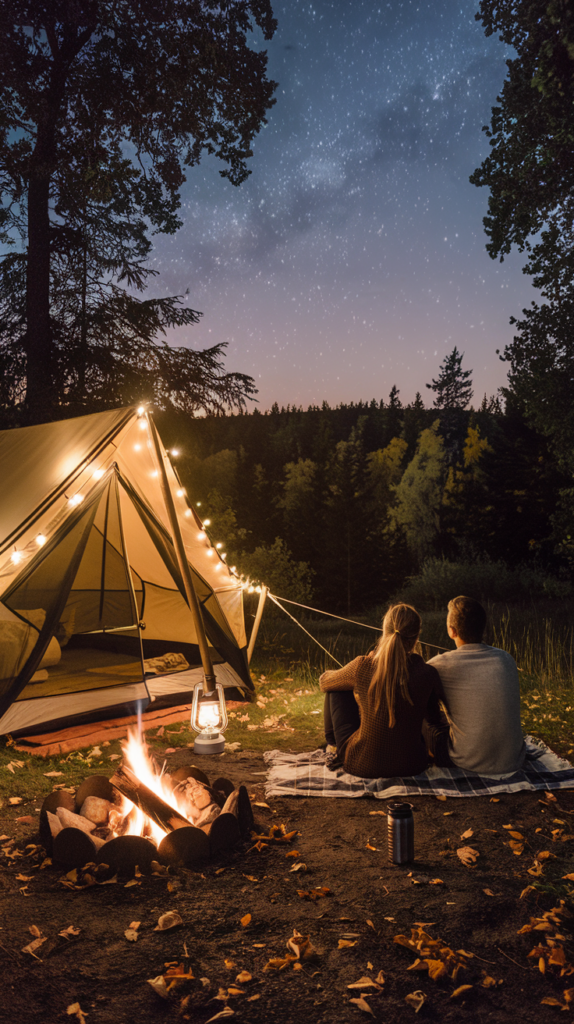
column 209, row 676
column 256, row 624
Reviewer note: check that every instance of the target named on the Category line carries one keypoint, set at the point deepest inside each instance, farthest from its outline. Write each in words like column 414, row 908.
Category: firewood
column 97, row 810
column 71, row 820
column 157, row 809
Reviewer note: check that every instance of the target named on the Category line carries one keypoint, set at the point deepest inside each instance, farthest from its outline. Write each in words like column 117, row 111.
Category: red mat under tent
column 78, row 736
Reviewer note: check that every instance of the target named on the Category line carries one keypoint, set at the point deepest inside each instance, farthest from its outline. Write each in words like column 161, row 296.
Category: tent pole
column 208, row 673
column 256, row 624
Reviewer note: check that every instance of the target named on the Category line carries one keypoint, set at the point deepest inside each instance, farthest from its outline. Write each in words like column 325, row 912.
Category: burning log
column 128, row 784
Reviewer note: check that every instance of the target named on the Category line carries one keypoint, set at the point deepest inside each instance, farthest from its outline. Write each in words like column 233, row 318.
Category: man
column 483, row 699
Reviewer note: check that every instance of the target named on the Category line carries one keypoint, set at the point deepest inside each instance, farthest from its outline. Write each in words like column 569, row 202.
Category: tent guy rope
column 341, row 618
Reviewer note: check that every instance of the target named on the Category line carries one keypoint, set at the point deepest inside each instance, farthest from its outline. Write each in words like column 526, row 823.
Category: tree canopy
column 453, row 386
column 104, row 107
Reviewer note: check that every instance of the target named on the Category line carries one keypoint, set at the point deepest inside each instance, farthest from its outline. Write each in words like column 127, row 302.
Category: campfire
column 142, row 815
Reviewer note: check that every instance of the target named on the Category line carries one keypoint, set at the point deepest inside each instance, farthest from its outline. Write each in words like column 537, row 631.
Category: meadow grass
column 287, row 710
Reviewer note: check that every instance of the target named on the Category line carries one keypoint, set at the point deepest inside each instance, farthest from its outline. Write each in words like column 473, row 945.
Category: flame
column 136, row 754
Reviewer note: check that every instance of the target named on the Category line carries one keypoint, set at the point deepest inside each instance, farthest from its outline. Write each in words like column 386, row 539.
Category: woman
column 375, row 705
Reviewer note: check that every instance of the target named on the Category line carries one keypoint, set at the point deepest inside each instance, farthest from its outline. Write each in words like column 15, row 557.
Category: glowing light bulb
column 175, row 452
column 188, row 512
column 223, row 555
column 201, row 535
column 180, row 493
column 207, row 522
column 210, row 552
column 257, row 590
column 198, row 503
column 251, row 590
column 209, row 716
column 16, row 557
column 97, row 474
column 141, row 410
column 137, row 447
column 218, row 546
column 40, row 540
column 76, row 499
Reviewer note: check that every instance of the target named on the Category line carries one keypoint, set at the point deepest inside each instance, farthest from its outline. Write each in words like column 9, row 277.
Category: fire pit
column 141, row 816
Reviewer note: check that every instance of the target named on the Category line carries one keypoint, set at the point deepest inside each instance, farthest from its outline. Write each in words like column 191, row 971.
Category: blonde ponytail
column 401, row 628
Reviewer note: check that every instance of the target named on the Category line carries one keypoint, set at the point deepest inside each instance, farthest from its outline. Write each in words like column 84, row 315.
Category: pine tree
column 453, row 386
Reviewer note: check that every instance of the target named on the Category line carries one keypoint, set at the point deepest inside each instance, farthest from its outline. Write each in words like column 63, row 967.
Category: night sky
column 354, row 258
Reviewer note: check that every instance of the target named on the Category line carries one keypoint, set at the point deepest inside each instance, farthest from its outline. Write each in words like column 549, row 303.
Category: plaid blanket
column 309, row 775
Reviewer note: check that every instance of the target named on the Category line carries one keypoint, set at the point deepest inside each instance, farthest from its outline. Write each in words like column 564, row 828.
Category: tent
column 94, row 621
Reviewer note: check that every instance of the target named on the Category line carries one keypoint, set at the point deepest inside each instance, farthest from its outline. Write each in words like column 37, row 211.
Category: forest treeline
column 342, row 505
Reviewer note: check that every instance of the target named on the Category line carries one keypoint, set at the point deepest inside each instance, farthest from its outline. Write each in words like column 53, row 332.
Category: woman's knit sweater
column 376, row 750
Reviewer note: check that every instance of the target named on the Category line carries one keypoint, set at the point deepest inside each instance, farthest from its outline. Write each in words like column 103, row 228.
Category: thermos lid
column 399, row 810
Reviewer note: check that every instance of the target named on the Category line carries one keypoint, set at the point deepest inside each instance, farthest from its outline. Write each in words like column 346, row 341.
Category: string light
column 180, row 493
column 223, row 555
column 141, row 410
column 218, row 546
column 16, row 557
column 175, row 452
column 207, row 522
column 76, row 499
column 40, row 540
column 201, row 535
column 210, row 552
column 198, row 503
column 188, row 512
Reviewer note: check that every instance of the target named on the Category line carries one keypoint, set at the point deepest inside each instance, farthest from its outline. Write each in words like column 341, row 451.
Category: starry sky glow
column 353, row 257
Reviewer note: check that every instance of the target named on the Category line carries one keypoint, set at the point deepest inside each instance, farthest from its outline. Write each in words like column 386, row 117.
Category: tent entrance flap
column 79, row 587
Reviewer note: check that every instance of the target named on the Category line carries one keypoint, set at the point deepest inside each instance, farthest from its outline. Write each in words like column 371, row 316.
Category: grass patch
column 287, row 712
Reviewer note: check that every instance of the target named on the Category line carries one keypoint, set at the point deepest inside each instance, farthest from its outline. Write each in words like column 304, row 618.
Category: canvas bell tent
column 94, row 621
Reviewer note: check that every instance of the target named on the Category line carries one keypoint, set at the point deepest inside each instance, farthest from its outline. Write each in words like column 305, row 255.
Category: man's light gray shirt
column 483, row 697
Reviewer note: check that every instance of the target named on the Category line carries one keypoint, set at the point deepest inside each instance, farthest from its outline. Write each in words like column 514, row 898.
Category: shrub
column 439, row 580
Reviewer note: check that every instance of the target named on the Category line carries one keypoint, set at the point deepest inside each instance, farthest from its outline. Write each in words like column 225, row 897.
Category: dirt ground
column 342, row 842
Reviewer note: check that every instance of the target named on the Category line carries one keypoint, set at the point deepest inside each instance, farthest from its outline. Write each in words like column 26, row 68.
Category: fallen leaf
column 516, row 835
column 260, row 804
column 226, row 1012
column 233, row 991
column 487, row 981
column 251, row 878
column 314, row 894
column 14, row 800
column 52, row 775
column 466, row 835
column 440, row 796
column 251, row 999
column 371, row 925
column 363, row 1005
column 293, row 853
column 131, row 934
column 75, row 1008
column 460, row 990
column 134, row 881
column 243, row 977
column 494, row 800
column 384, row 813
column 488, row 892
column 35, row 944
column 169, row 920
column 436, row 881
column 159, row 986
column 26, row 819
column 299, row 867
column 364, row 983
column 517, row 848
column 467, row 855
column 219, row 871
column 24, row 878
column 301, row 946
column 66, row 932
column 245, row 920
column 380, row 979
column 346, row 943
column 416, row 999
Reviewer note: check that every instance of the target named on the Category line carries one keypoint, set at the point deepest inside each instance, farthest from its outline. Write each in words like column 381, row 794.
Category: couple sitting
column 389, row 714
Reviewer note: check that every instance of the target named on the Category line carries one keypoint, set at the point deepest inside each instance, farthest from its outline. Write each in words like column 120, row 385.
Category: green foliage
column 105, row 105
column 529, row 170
column 439, row 580
column 273, row 565
column 419, row 495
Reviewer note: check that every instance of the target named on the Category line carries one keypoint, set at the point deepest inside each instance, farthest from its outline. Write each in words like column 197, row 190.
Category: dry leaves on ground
column 169, row 920
column 318, row 893
column 362, row 1004
column 76, row 1010
column 433, row 955
column 415, row 999
column 468, row 855
column 300, row 948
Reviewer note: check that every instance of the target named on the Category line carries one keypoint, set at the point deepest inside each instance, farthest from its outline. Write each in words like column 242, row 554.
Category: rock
column 97, row 810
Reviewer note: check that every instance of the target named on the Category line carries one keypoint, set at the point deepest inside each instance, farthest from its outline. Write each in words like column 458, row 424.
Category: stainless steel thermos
column 401, row 829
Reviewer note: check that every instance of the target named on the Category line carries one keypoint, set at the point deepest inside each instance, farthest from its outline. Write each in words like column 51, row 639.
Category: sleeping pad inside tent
column 94, row 622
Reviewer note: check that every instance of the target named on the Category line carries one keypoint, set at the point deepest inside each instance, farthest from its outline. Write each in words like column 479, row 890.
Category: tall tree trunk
column 40, row 397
